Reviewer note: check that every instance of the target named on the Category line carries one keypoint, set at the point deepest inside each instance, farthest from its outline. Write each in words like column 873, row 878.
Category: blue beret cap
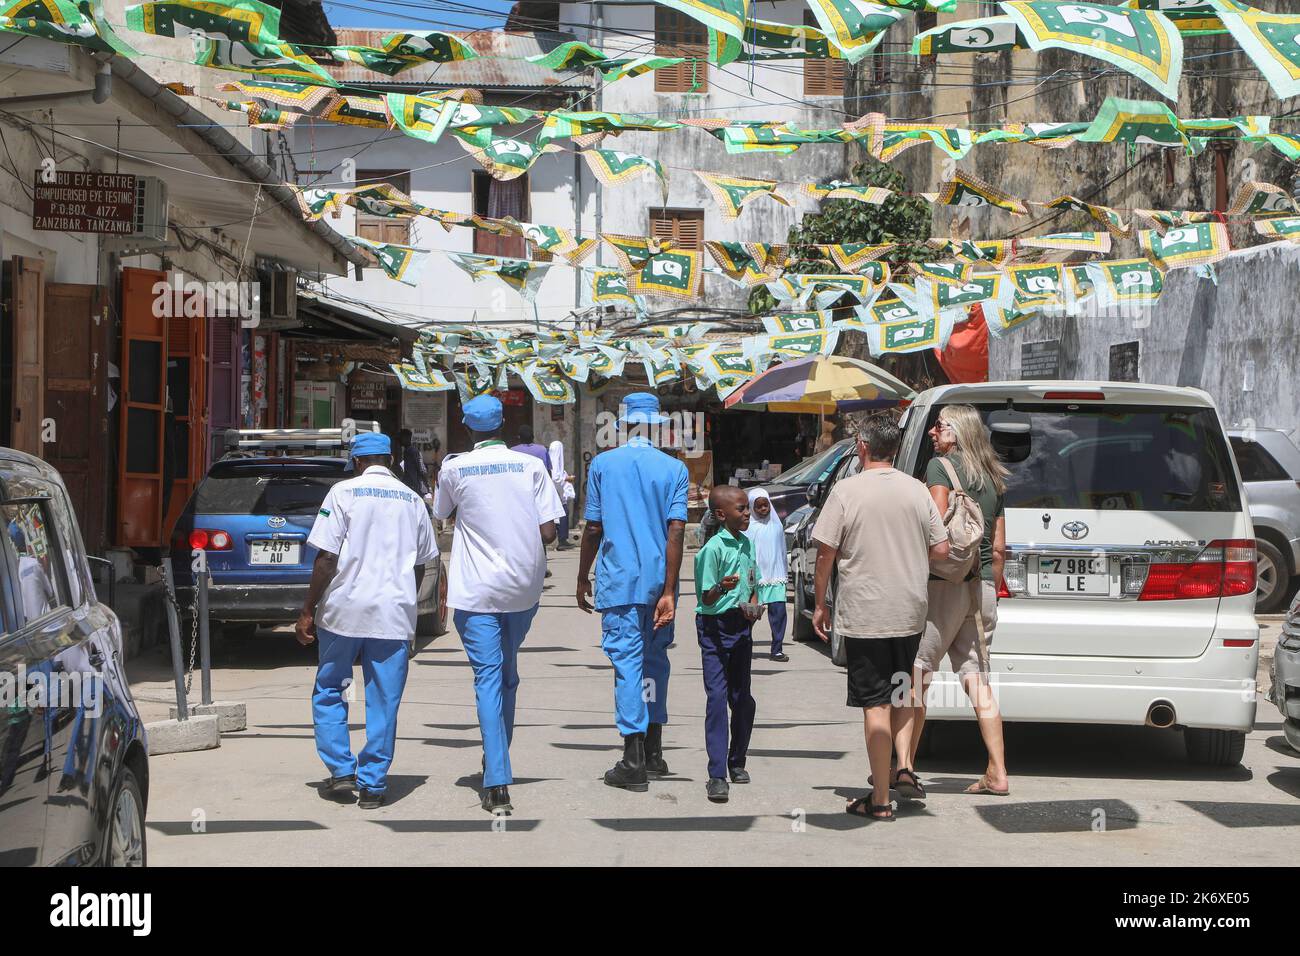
column 371, row 443
column 482, row 414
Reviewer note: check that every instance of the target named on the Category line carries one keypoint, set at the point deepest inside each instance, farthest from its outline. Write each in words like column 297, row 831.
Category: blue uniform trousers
column 776, row 618
column 492, row 642
column 383, row 667
column 726, row 646
column 639, row 653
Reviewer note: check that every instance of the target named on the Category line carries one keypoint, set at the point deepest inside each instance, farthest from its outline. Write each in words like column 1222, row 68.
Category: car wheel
column 124, row 842
column 434, row 624
column 801, row 628
column 1270, row 576
column 839, row 653
column 1216, row 748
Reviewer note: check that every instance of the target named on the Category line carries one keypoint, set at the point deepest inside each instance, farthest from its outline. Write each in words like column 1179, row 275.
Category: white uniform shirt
column 498, row 563
column 380, row 530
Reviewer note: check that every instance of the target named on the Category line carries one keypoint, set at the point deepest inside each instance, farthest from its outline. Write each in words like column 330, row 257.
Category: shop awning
column 323, row 316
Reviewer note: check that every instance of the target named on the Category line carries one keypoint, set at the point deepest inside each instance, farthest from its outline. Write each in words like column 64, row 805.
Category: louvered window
column 822, row 77
column 497, row 199
column 678, row 35
column 378, row 228
column 685, row 227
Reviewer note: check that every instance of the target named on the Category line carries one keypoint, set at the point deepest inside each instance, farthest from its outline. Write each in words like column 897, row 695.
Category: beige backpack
column 965, row 524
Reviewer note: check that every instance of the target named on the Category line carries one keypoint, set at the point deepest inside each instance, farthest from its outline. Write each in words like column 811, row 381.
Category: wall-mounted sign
column 513, row 397
column 1040, row 359
column 368, row 396
column 85, row 202
column 1124, row 362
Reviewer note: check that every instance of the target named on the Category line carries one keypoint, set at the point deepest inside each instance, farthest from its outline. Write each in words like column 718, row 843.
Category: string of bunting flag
column 1141, row 37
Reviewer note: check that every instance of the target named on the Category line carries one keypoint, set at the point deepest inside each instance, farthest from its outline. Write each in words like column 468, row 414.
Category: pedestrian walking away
column 768, row 537
column 963, row 613
column 564, row 486
column 410, row 465
column 506, row 508
column 877, row 534
column 726, row 591
column 528, row 446
column 373, row 537
column 636, row 521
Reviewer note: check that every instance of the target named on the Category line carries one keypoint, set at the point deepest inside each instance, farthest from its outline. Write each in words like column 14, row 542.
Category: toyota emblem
column 278, row 522
column 1074, row 530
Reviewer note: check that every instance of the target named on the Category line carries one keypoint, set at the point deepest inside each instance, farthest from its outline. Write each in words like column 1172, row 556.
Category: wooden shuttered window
column 678, row 35
column 822, row 76
column 685, row 227
column 377, row 228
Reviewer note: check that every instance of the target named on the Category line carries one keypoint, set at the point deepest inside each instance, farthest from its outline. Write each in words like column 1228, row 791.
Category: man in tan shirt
column 878, row 532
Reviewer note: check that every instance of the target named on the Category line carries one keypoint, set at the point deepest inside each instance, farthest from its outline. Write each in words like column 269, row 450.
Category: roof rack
column 295, row 439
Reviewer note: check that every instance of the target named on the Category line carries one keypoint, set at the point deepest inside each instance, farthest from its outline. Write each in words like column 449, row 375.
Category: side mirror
column 815, row 494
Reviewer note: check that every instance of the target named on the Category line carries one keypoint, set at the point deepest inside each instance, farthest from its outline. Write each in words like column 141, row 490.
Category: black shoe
column 341, row 786
column 655, row 767
column 370, row 799
column 563, row 547
column 497, row 800
column 718, row 790
column 780, row 658
column 738, row 774
column 629, row 773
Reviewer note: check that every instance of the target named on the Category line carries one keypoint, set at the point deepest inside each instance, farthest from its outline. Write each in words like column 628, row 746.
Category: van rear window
column 273, row 492
column 1135, row 458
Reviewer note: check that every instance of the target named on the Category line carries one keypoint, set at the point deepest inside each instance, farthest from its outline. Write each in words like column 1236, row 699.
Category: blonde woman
column 951, row 627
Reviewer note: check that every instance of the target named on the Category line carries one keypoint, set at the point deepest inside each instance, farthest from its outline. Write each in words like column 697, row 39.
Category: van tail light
column 210, row 539
column 1074, row 396
column 1226, row 568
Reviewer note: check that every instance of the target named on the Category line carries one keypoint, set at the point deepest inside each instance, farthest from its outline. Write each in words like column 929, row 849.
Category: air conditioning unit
column 150, row 209
column 284, row 294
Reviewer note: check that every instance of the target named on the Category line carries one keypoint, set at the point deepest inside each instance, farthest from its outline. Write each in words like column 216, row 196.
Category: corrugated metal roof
column 500, row 65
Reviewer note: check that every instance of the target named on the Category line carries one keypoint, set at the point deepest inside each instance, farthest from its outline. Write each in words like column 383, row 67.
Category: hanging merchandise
column 1140, row 42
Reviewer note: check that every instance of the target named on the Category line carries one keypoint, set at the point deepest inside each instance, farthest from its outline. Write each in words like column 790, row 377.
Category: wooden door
column 76, row 388
column 224, row 367
column 143, row 412
column 187, row 436
column 28, row 408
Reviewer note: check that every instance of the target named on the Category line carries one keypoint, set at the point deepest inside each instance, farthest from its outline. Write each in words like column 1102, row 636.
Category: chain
column 194, row 639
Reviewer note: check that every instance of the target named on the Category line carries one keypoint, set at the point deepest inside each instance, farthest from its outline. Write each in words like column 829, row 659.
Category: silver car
column 1286, row 675
column 1270, row 468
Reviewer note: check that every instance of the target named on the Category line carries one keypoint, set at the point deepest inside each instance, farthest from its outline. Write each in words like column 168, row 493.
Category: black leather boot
column 655, row 767
column 496, row 800
column 629, row 773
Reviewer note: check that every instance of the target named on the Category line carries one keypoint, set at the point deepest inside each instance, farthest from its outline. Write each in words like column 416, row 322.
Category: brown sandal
column 863, row 807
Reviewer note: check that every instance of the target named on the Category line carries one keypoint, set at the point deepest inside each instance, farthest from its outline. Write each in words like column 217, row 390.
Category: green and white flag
column 1191, row 17
column 547, row 385
column 611, row 71
column 607, row 361
column 1125, row 281
column 1098, row 242
column 1195, row 245
column 796, row 322
column 82, row 24
column 726, row 16
column 675, row 274
column 572, row 55
column 1135, row 121
column 399, row 52
column 936, row 297
column 522, row 275
column 614, row 168
column 1280, row 227
column 610, row 285
column 854, row 26
column 726, row 361
column 399, row 262
column 502, row 157
column 569, row 124
column 1261, row 199
column 984, row 35
column 1271, row 40
column 1141, row 42
column 429, row 380
column 473, row 381
column 731, row 193
column 965, row 189
column 908, row 335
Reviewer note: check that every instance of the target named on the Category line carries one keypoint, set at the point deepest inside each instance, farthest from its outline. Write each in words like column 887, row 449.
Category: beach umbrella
column 822, row 383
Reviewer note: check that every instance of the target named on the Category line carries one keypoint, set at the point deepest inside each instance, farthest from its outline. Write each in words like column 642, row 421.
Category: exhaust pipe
column 1161, row 714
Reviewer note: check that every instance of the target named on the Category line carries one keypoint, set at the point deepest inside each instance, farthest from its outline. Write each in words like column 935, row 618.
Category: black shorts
column 878, row 666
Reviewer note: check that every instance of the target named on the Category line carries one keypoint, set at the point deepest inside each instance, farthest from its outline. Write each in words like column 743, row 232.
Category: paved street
column 258, row 794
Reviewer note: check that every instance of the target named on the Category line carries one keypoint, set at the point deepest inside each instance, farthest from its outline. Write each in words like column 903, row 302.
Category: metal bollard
column 205, row 648
column 174, row 629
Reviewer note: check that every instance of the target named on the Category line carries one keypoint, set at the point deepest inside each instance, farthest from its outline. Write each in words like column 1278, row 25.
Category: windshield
column 1136, row 458
column 814, row 469
column 279, row 492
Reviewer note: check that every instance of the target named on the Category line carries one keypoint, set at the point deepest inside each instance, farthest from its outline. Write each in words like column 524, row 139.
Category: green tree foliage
column 901, row 219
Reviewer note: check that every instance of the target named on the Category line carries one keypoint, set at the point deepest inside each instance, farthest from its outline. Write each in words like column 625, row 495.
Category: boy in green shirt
column 726, row 591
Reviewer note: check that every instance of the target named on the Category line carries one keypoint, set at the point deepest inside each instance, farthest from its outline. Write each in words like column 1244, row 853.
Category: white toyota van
column 1129, row 590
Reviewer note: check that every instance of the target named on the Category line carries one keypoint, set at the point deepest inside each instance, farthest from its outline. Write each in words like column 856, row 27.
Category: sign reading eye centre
column 85, row 202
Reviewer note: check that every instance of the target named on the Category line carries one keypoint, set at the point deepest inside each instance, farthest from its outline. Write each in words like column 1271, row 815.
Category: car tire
column 124, row 833
column 836, row 643
column 1271, row 576
column 801, row 628
column 1215, row 748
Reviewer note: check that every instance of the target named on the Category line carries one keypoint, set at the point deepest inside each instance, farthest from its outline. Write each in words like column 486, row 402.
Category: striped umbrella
column 823, row 384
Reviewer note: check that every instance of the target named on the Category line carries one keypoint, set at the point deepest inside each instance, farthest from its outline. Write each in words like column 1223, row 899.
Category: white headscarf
column 769, row 541
column 559, row 474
